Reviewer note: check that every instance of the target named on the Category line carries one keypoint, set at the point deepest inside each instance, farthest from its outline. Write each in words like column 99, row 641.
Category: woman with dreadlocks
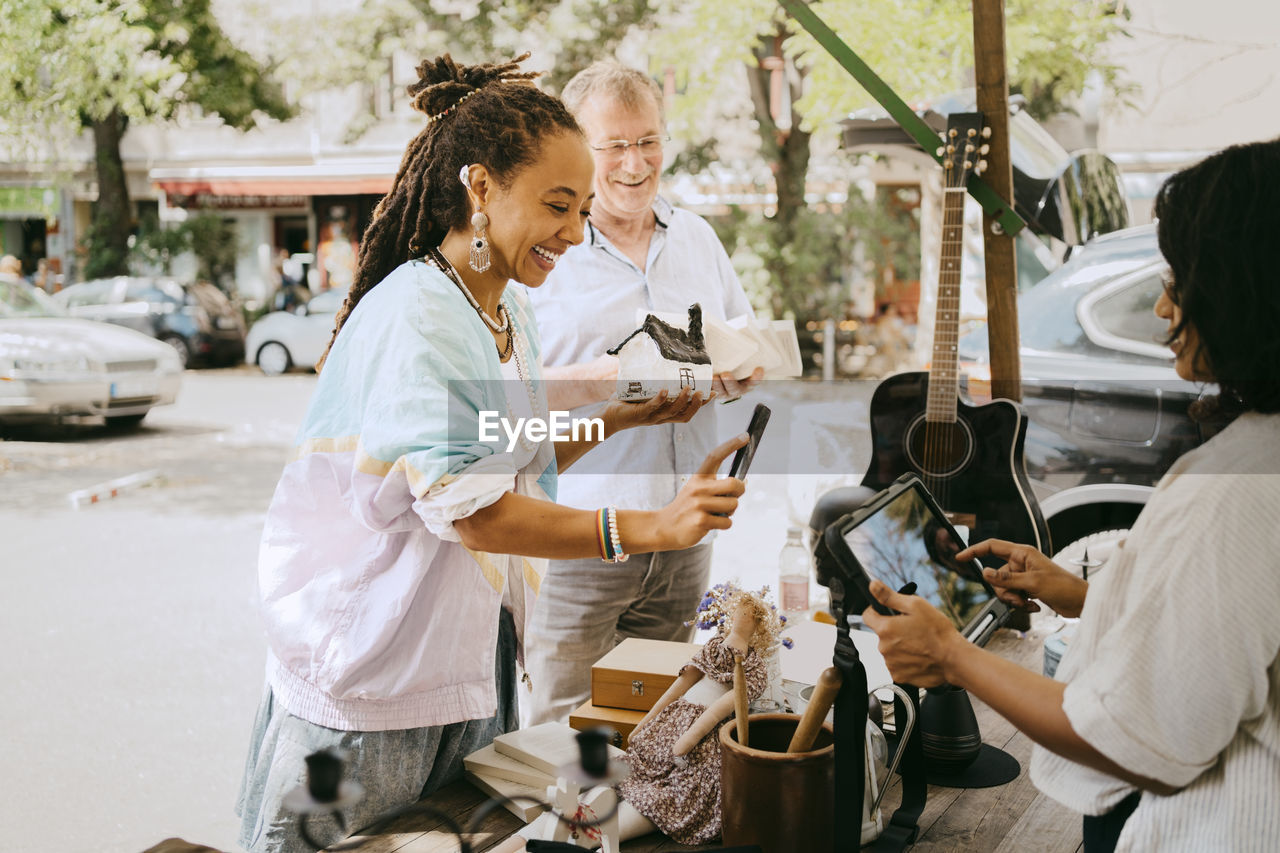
column 394, row 610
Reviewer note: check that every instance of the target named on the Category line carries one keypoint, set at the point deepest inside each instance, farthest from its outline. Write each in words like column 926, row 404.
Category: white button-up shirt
column 594, row 298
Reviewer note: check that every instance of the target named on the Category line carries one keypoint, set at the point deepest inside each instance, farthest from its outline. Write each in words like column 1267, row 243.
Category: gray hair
column 612, row 80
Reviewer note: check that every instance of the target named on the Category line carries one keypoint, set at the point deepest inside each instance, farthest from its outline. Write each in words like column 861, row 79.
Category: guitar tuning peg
column 940, row 150
column 951, row 149
column 982, row 167
column 984, row 149
column 968, row 147
column 971, row 133
column 952, row 133
column 986, row 133
column 968, row 164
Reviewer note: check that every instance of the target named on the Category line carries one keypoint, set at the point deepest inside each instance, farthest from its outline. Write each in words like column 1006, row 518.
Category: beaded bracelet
column 619, row 556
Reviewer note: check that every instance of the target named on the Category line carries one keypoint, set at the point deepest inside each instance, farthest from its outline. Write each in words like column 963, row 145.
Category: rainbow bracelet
column 602, row 535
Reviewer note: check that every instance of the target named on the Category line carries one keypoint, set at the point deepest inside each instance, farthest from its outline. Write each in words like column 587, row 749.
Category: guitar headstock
column 962, row 148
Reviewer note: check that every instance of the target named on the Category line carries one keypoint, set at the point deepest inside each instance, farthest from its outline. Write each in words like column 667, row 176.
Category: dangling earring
column 479, row 259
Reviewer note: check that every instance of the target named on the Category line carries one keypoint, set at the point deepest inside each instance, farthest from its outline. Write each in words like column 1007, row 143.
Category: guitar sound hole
column 939, row 449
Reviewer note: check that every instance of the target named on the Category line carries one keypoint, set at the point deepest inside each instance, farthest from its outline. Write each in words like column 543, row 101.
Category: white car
column 54, row 367
column 284, row 339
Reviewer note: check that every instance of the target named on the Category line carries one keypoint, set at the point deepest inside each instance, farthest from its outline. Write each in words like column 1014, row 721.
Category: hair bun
column 442, row 83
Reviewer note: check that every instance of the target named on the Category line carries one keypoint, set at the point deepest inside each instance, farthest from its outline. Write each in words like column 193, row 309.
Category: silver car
column 54, row 367
column 284, row 339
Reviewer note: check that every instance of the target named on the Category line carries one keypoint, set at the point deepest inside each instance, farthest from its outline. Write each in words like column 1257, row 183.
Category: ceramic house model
column 658, row 355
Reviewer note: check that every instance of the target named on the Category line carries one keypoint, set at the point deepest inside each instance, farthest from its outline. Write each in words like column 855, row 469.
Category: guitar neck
column 944, row 379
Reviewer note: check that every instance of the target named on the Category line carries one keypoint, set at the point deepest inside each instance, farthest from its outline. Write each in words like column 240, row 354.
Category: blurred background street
column 134, row 655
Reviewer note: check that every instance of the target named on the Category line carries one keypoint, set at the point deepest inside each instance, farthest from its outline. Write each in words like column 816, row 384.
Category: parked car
column 197, row 320
column 284, row 339
column 53, row 367
column 1107, row 412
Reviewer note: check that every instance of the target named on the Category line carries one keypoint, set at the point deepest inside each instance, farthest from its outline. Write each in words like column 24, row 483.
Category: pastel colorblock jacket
column 377, row 617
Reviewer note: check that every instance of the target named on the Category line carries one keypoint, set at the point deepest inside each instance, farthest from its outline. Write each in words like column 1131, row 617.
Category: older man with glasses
column 640, row 255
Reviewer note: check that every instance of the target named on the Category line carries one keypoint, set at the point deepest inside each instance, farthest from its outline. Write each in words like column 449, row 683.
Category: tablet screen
column 905, row 542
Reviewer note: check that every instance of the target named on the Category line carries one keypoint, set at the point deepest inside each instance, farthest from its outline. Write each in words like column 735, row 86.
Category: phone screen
column 742, row 459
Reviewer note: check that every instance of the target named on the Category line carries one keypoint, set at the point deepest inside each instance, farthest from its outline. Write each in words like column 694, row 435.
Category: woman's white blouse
column 1174, row 671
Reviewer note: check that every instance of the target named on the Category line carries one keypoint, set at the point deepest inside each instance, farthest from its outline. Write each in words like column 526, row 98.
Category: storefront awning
column 342, row 178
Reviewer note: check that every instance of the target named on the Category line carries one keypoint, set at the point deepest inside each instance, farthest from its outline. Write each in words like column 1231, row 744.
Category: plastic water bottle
column 793, row 575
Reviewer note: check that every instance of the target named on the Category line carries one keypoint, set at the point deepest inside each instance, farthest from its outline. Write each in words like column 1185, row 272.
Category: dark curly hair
column 488, row 114
column 1216, row 223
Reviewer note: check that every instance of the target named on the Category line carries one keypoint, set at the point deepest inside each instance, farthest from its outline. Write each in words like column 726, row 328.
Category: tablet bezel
column 982, row 626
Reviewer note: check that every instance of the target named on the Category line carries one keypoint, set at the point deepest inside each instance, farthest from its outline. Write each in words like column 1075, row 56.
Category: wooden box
column 621, row 720
column 636, row 672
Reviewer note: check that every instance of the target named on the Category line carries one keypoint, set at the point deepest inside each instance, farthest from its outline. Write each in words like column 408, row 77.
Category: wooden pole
column 1001, row 263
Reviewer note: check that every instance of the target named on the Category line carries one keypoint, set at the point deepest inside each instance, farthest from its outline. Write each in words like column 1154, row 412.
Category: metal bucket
column 782, row 801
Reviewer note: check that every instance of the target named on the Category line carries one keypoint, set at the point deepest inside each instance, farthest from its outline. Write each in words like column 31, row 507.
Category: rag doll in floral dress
column 674, row 750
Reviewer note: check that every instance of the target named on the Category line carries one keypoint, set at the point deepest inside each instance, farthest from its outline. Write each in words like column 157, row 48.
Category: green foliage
column 922, row 48
column 359, row 45
column 101, row 253
column 75, row 64
column 69, row 63
column 796, row 259
column 820, row 260
column 213, row 73
column 158, row 247
column 214, row 241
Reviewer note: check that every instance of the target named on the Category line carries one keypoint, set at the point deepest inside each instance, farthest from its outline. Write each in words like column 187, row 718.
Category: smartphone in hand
column 755, row 429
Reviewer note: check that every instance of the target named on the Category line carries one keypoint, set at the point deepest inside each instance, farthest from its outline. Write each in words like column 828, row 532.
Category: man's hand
column 729, row 388
column 917, row 641
column 573, row 385
column 1028, row 571
column 661, row 409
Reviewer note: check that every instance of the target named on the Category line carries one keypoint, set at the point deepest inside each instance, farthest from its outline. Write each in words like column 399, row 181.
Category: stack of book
column 627, row 681
column 519, row 766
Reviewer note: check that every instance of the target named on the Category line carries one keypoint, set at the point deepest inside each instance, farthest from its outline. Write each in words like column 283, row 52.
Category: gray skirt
column 395, row 768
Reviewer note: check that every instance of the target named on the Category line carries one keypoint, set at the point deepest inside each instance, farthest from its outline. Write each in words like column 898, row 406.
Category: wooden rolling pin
column 824, row 693
column 740, row 698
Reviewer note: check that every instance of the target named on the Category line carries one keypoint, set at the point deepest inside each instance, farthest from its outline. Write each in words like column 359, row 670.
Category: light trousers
column 586, row 607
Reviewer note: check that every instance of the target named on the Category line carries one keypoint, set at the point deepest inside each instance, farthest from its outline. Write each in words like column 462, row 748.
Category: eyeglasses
column 618, row 147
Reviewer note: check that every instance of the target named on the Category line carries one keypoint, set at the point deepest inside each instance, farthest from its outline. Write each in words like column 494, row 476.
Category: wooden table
column 1012, row 817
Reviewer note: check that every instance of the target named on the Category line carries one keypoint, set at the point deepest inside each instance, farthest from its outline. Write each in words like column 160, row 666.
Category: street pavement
column 134, row 656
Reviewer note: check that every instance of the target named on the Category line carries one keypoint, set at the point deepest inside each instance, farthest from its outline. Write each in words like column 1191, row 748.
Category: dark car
column 197, row 320
column 1108, row 414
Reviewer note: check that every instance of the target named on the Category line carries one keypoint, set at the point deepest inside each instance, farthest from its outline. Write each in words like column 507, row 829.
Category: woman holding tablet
column 1163, row 727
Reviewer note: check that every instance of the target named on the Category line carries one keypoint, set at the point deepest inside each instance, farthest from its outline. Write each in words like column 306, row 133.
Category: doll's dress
column 684, row 802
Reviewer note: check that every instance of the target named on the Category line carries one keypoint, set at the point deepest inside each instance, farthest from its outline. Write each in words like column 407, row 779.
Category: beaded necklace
column 442, row 263
column 522, row 370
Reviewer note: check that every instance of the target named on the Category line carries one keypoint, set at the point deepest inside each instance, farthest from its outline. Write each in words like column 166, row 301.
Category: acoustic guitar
column 969, row 457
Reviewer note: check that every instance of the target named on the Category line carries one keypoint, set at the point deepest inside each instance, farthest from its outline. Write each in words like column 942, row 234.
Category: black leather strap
column 900, row 832
column 850, row 741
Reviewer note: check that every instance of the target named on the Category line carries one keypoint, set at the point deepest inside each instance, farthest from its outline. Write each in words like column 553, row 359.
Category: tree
column 922, row 48
column 102, row 64
column 358, row 44
column 730, row 58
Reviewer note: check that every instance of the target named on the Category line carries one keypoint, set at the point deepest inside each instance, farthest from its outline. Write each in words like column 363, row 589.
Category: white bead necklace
column 443, row 264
